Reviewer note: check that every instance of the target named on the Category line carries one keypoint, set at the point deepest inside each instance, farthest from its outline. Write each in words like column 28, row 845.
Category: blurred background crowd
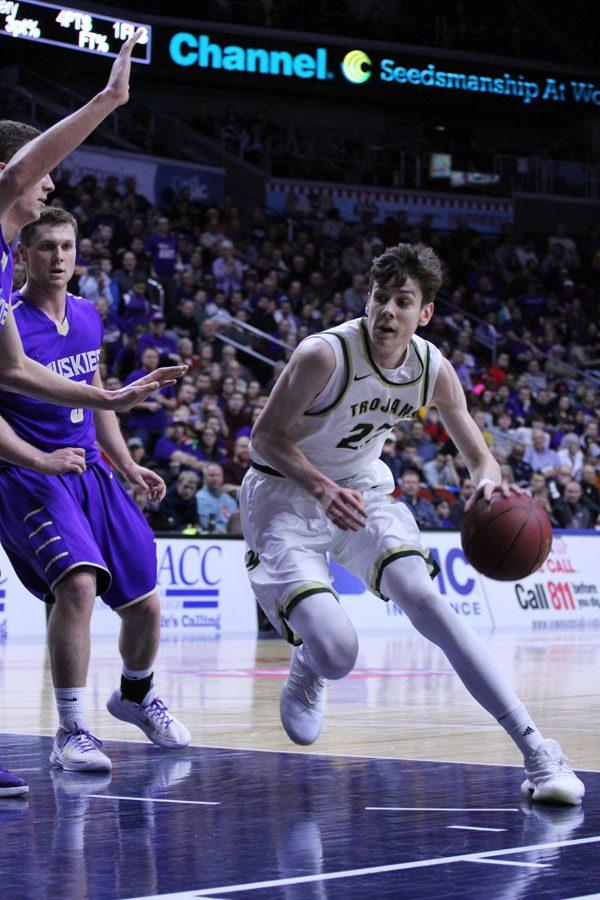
column 232, row 295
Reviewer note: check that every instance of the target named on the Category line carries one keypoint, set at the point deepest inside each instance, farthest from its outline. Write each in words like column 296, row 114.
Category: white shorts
column 288, row 537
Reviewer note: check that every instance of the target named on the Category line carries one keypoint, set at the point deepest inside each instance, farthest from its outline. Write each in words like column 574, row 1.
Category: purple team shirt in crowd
column 163, row 251
column 74, row 355
column 6, row 277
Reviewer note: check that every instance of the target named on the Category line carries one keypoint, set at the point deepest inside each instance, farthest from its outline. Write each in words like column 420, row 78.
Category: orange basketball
column 507, row 538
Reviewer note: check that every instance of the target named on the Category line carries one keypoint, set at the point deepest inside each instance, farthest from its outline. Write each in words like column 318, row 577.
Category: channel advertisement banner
column 365, row 70
column 159, row 180
column 205, row 592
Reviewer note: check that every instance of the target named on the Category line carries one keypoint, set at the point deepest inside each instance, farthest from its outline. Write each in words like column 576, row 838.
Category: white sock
column 407, row 583
column 518, row 724
column 70, row 703
column 137, row 674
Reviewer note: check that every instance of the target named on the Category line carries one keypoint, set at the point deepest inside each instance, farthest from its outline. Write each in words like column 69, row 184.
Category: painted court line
column 152, row 799
column 444, row 809
column 511, row 862
column 358, row 757
column 581, row 897
column 373, row 870
column 473, row 828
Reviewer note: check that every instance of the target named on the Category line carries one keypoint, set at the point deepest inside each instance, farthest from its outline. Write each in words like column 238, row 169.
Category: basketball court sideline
column 243, row 812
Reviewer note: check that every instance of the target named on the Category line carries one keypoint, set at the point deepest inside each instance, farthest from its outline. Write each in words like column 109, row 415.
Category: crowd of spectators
column 517, row 317
column 288, row 146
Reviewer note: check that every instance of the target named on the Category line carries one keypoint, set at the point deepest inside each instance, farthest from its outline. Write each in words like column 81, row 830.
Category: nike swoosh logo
column 360, row 377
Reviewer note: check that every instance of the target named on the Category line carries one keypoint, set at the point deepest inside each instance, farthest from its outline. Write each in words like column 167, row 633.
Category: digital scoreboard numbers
column 74, row 29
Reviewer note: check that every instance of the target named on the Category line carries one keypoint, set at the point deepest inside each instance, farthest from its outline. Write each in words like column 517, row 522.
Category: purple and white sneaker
column 11, row 785
column 78, row 751
column 152, row 716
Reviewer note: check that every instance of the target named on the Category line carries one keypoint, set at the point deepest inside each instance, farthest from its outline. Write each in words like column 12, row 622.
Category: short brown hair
column 391, row 269
column 50, row 215
column 13, row 136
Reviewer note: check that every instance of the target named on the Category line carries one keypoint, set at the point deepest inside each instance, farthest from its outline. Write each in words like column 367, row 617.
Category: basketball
column 507, row 538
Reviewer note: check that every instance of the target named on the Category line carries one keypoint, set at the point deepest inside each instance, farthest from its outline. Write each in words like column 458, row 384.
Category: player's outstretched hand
column 149, row 481
column 486, row 490
column 117, row 86
column 165, row 376
column 139, row 390
column 59, row 462
column 344, row 507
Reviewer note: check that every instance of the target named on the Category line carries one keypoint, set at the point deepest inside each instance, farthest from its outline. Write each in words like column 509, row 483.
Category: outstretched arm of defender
column 41, row 155
column 449, row 397
column 304, row 377
column 22, row 375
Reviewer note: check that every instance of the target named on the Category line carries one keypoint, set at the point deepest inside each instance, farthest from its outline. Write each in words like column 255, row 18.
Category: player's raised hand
column 345, row 508
column 59, row 462
column 139, row 390
column 148, row 481
column 165, row 376
column 117, row 86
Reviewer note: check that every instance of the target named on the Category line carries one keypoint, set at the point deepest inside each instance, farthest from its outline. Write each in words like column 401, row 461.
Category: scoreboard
column 75, row 29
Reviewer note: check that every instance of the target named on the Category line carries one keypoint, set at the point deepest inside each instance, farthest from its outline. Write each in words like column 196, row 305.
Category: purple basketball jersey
column 74, row 355
column 6, row 276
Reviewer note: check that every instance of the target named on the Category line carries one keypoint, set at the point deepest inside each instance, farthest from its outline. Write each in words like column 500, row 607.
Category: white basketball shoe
column 78, row 751
column 302, row 701
column 152, row 716
column 550, row 778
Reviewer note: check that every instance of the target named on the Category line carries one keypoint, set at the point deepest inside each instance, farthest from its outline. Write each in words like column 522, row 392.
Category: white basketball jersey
column 345, row 428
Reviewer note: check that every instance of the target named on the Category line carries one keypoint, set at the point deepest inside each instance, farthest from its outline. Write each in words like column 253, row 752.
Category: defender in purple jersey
column 26, row 156
column 72, row 537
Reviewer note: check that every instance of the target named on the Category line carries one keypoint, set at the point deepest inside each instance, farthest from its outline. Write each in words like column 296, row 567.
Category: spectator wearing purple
column 161, row 244
column 156, row 337
column 462, row 370
column 423, row 511
column 521, row 407
column 135, row 308
column 175, row 450
column 149, row 418
column 112, row 339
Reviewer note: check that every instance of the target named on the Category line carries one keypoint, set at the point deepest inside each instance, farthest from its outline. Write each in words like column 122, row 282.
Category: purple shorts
column 53, row 524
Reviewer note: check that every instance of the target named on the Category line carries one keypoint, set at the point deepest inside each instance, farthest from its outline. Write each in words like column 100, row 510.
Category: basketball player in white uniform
column 317, row 485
